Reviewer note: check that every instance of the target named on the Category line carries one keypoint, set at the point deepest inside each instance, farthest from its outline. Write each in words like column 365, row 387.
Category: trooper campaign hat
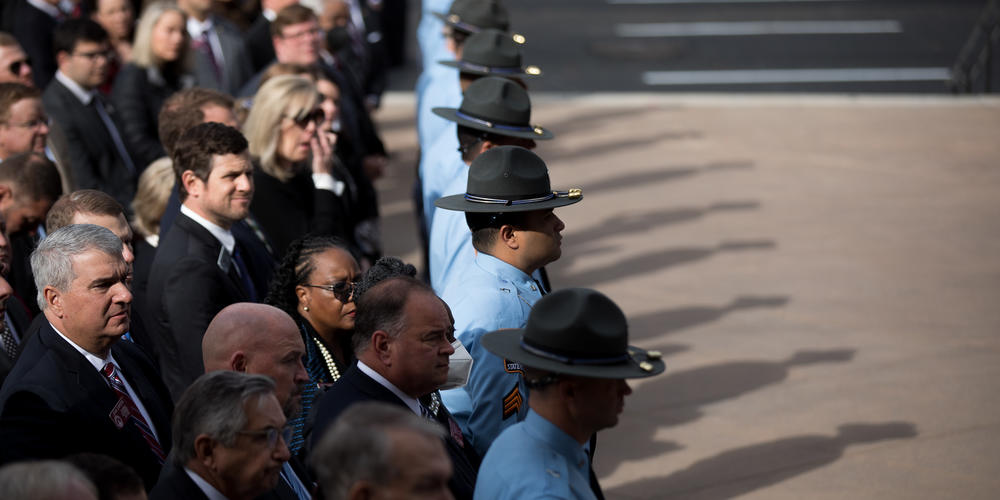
column 493, row 52
column 496, row 105
column 576, row 331
column 471, row 16
column 508, row 179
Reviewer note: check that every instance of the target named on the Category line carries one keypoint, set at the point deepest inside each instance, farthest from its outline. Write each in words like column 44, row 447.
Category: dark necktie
column 7, row 337
column 204, row 45
column 112, row 129
column 111, row 374
column 244, row 273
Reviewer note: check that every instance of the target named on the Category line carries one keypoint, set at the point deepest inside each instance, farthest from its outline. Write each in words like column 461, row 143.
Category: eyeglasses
column 300, row 34
column 342, row 290
column 31, row 124
column 304, row 119
column 15, row 67
column 271, row 434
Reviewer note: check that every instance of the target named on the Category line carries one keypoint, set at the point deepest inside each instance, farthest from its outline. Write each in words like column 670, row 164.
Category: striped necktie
column 111, row 374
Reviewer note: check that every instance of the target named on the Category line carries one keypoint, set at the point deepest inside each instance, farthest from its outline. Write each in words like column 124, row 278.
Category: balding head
column 258, row 339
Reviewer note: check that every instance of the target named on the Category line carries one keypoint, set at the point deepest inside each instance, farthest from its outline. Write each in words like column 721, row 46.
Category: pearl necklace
column 330, row 364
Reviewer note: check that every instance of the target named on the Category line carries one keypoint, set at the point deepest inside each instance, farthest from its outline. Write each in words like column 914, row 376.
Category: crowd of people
column 194, row 295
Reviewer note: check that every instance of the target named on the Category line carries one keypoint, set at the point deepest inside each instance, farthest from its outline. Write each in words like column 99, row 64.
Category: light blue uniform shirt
column 488, row 294
column 429, row 36
column 450, row 239
column 439, row 165
column 442, row 91
column 534, row 459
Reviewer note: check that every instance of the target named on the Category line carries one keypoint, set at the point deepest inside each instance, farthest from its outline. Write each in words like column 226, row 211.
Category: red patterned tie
column 111, row 373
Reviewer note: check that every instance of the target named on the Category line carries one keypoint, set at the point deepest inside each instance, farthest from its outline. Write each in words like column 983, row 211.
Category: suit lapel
column 215, row 249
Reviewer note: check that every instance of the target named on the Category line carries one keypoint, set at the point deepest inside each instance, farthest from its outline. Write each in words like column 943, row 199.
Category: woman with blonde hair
column 148, row 206
column 159, row 67
column 295, row 192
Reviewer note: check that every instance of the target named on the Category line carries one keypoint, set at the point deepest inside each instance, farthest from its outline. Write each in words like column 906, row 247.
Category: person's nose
column 281, row 452
column 626, row 390
column 559, row 223
column 448, row 348
column 301, row 375
column 122, row 293
column 244, row 183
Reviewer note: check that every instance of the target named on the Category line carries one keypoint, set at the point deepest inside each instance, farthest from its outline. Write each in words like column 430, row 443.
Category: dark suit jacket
column 354, row 387
column 94, row 160
column 21, row 319
column 138, row 95
column 33, row 30
column 236, row 68
column 54, row 403
column 174, row 484
column 259, row 45
column 186, row 289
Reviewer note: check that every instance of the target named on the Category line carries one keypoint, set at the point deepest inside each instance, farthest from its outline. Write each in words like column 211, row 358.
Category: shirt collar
column 376, row 376
column 196, row 28
column 91, row 358
column 225, row 236
column 46, row 7
column 505, row 271
column 204, row 486
column 557, row 439
column 84, row 95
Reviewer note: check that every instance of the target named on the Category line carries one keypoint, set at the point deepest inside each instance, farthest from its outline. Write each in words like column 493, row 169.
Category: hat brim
column 459, row 203
column 501, row 72
column 507, row 344
column 468, row 28
column 536, row 133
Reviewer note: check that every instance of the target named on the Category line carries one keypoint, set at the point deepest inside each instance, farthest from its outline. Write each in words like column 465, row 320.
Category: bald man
column 263, row 340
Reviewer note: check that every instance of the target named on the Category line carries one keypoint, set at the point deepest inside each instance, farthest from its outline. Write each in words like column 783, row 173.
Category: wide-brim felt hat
column 496, row 105
column 576, row 331
column 508, row 179
column 493, row 52
column 471, row 16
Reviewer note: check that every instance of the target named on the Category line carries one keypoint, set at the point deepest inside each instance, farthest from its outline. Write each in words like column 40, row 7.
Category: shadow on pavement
column 586, row 120
column 742, row 470
column 672, row 320
column 682, row 394
column 649, row 262
column 555, row 157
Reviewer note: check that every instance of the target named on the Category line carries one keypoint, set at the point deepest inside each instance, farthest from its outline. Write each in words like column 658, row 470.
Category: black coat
column 354, row 386
column 287, row 211
column 94, row 160
column 54, row 403
column 175, row 484
column 138, row 95
column 21, row 319
column 259, row 45
column 33, row 30
column 187, row 288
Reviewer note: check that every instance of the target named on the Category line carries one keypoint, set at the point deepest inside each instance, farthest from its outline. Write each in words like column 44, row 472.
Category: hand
column 322, row 152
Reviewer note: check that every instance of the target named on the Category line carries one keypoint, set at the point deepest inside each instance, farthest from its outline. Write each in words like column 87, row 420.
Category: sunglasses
column 304, row 119
column 15, row 67
column 342, row 290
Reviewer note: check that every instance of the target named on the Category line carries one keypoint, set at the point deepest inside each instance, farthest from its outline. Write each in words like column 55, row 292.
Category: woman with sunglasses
column 315, row 285
column 295, row 192
column 159, row 67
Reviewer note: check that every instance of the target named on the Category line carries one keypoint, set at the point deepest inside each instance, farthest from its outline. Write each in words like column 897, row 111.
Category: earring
column 305, row 308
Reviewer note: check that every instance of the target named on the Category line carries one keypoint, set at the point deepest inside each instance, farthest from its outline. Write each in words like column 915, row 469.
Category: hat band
column 499, row 126
column 572, row 193
column 567, row 360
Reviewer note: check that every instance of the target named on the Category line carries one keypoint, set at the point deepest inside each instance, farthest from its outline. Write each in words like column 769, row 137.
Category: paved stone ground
column 821, row 273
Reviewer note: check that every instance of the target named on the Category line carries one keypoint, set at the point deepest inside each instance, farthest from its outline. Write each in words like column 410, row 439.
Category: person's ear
column 61, row 57
column 302, row 294
column 53, row 300
column 361, row 490
column 6, row 194
column 192, row 184
column 381, row 346
column 204, row 451
column 238, row 362
column 508, row 234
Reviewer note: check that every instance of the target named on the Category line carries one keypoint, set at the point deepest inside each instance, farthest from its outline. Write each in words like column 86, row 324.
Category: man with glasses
column 229, row 441
column 200, row 267
column 23, row 124
column 94, row 147
column 15, row 66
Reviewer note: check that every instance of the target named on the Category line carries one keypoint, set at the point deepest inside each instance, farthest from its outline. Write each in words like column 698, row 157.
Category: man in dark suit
column 221, row 61
column 264, row 340
column 75, row 388
column 13, row 313
column 98, row 158
column 228, row 441
column 32, row 24
column 199, row 267
column 258, row 37
column 403, row 337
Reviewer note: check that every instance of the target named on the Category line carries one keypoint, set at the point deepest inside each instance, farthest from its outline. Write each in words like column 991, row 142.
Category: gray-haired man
column 75, row 388
column 229, row 439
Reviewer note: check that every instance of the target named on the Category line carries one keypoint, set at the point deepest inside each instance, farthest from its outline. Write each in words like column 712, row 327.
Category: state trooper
column 576, row 357
column 487, row 53
column 494, row 112
column 508, row 205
